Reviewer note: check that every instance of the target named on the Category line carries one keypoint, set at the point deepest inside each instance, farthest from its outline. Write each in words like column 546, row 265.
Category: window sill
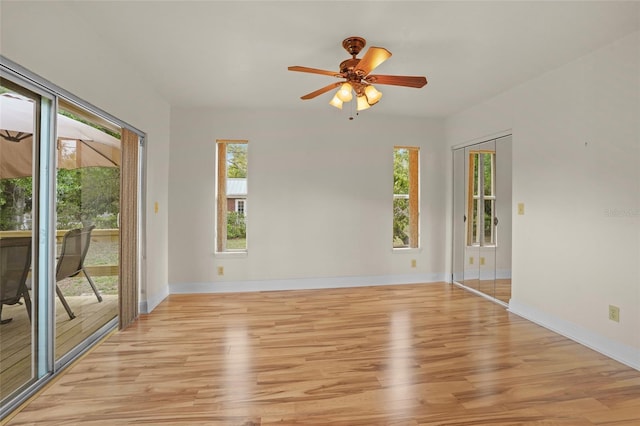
column 231, row 254
column 407, row 250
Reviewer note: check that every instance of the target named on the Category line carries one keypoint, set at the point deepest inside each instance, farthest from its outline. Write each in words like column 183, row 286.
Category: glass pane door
column 485, row 154
column 87, row 225
column 472, row 194
column 19, row 111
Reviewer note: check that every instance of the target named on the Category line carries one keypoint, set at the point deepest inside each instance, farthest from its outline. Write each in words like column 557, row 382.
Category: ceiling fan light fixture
column 336, row 102
column 357, row 77
column 362, row 103
column 373, row 95
column 344, row 93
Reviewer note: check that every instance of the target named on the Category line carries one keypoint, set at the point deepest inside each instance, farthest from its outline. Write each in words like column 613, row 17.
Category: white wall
column 48, row 40
column 576, row 148
column 319, row 204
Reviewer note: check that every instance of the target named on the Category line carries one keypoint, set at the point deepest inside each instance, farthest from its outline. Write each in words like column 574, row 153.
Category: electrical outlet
column 482, row 261
column 471, row 261
column 413, row 263
column 220, row 270
column 614, row 313
column 520, row 208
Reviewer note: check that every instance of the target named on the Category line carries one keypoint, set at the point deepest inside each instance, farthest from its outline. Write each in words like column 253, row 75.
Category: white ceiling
column 236, row 54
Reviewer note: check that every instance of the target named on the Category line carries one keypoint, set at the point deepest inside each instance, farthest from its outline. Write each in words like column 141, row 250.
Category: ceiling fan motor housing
column 354, row 45
column 347, row 67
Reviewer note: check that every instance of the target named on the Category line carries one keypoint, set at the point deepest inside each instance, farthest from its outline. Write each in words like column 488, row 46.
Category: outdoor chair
column 75, row 245
column 15, row 262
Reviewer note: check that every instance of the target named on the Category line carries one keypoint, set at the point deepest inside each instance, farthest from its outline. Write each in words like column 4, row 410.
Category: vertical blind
column 128, row 284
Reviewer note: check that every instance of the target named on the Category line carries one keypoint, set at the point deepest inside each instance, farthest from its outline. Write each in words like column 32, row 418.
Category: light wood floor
column 15, row 337
column 430, row 354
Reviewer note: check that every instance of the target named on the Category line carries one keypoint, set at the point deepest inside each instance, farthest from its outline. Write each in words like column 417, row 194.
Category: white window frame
column 242, row 201
column 413, row 196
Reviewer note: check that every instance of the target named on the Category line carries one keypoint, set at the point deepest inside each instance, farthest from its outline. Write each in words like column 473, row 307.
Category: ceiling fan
column 356, row 72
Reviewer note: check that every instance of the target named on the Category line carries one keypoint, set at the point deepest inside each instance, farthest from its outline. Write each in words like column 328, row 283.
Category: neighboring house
column 237, row 195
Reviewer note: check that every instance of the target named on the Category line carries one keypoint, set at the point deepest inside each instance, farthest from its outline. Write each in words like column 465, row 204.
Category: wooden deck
column 15, row 337
column 431, row 354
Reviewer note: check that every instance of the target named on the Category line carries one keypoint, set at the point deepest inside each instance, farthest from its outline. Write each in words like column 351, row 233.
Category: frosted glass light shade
column 336, row 102
column 373, row 96
column 344, row 93
column 362, row 103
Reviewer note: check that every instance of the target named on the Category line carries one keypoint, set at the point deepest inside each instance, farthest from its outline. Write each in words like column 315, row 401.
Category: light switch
column 155, row 207
column 520, row 208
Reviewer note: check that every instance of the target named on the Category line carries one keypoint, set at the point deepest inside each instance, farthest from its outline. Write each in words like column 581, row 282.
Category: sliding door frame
column 44, row 249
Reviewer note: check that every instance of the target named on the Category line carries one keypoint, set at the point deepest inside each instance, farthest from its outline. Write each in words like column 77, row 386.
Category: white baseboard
column 503, row 274
column 625, row 354
column 148, row 305
column 303, row 283
column 499, row 274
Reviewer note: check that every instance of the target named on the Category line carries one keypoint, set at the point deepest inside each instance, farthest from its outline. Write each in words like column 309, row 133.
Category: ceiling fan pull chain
column 351, row 115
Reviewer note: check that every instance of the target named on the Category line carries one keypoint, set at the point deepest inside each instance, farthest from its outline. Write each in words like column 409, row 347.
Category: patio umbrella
column 78, row 144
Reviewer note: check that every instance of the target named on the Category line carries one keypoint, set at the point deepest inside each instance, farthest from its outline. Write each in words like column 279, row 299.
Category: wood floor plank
column 430, row 354
column 15, row 337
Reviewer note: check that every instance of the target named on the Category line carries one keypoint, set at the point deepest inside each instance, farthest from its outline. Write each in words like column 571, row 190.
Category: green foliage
column 488, row 168
column 237, row 244
column 16, row 198
column 236, row 225
column 401, row 222
column 90, row 195
column 401, row 205
column 237, row 160
column 401, row 171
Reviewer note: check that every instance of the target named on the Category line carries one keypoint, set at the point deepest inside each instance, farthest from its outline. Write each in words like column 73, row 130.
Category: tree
column 89, row 195
column 401, row 171
column 237, row 160
column 400, row 205
column 16, row 200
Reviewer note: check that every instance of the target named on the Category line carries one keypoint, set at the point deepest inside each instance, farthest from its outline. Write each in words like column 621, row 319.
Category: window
column 406, row 199
column 482, row 199
column 231, row 225
column 240, row 206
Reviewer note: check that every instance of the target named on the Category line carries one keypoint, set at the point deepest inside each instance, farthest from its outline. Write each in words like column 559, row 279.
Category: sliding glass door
column 19, row 135
column 87, row 220
column 68, row 191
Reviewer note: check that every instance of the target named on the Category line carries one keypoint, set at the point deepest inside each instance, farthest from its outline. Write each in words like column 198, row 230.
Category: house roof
column 236, row 187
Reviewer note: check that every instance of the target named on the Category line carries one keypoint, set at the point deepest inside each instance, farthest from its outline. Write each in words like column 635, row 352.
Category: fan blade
column 325, row 89
column 374, row 57
column 397, row 80
column 315, row 71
